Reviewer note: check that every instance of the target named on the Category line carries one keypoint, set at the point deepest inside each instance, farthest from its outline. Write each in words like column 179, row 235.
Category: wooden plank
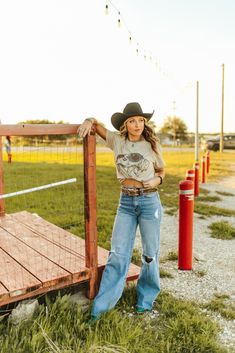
column 38, row 129
column 2, row 202
column 89, row 145
column 66, row 240
column 3, row 290
column 14, row 277
column 51, row 261
column 84, row 276
column 39, row 266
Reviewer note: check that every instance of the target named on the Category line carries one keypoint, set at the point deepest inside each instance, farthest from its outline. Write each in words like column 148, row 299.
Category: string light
column 119, row 19
column 138, row 50
column 106, row 9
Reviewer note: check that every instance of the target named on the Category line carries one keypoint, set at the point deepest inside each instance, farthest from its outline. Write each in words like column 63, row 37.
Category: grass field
column 59, row 326
column 40, row 168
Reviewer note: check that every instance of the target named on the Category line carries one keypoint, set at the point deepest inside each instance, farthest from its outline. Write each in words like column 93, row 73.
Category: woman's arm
column 156, row 180
column 86, row 127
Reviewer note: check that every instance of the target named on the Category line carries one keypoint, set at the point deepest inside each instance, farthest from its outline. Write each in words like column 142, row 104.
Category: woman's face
column 135, row 126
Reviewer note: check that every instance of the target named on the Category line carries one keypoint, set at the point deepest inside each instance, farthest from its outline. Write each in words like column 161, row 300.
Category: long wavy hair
column 148, row 133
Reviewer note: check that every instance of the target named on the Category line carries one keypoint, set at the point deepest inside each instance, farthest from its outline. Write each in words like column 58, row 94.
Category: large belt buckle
column 134, row 192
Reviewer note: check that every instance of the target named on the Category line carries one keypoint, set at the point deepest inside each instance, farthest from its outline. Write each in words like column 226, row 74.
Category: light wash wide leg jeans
column 145, row 211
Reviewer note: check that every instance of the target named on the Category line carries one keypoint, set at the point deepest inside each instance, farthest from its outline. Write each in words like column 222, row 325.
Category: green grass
column 224, row 193
column 63, row 328
column 221, row 305
column 205, row 210
column 172, row 256
column 208, row 198
column 200, row 273
column 164, row 273
column 180, row 328
column 50, row 165
column 222, row 230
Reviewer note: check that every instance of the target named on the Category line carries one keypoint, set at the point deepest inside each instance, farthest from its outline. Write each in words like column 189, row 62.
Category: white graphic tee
column 134, row 160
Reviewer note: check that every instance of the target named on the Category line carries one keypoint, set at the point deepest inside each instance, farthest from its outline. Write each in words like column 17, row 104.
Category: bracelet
column 92, row 120
column 159, row 176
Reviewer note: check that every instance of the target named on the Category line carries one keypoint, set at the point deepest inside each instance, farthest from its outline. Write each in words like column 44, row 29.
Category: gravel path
column 213, row 260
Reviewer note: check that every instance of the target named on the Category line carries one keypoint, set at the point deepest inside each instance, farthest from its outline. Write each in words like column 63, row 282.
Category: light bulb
column 119, row 20
column 106, row 9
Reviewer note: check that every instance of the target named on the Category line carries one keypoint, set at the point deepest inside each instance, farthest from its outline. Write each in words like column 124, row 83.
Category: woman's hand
column 86, row 127
column 152, row 183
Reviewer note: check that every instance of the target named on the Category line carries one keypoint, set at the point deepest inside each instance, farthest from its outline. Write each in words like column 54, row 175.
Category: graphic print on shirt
column 131, row 165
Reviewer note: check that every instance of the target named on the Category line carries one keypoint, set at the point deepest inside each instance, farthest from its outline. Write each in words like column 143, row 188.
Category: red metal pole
column 190, row 175
column 196, row 179
column 207, row 162
column 203, row 162
column 186, row 206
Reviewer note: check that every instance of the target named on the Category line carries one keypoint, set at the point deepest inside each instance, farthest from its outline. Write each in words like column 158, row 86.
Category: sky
column 67, row 60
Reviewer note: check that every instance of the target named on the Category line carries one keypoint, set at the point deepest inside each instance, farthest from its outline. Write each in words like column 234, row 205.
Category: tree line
column 173, row 126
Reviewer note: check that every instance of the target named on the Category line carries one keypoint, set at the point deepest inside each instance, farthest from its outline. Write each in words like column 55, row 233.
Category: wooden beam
column 38, row 129
column 90, row 212
column 2, row 203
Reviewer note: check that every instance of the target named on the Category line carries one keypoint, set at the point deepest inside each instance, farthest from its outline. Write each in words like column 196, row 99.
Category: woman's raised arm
column 86, row 127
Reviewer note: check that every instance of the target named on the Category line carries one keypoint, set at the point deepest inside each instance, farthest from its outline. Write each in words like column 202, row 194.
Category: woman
column 8, row 148
column 140, row 169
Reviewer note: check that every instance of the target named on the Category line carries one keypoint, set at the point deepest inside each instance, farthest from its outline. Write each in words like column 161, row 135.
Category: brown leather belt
column 136, row 191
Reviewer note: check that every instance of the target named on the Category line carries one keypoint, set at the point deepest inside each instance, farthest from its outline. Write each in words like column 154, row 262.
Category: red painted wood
column 2, row 204
column 66, row 240
column 3, row 290
column 62, row 238
column 90, row 211
column 43, row 259
column 14, row 277
column 38, row 129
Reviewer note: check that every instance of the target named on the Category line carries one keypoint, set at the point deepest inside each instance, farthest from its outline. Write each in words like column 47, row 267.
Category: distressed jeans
column 145, row 211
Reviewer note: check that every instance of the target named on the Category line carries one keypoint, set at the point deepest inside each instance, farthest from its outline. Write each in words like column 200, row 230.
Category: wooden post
column 89, row 145
column 2, row 204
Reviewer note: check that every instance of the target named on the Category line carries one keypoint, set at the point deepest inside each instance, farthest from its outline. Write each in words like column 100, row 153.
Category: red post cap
column 186, row 185
column 190, row 172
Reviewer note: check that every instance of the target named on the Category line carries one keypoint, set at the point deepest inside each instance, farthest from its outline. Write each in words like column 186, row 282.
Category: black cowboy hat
column 131, row 109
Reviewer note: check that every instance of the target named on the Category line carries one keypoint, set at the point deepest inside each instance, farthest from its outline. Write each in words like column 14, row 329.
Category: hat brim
column 117, row 119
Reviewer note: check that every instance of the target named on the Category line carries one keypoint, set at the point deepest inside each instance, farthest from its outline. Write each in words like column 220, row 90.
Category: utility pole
column 222, row 114
column 173, row 121
column 197, row 115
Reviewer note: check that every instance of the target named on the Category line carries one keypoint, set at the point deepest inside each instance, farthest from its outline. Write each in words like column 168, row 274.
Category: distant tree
column 38, row 121
column 174, row 126
column 46, row 137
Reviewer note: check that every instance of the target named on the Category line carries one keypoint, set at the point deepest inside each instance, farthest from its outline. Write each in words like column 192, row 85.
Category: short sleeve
column 112, row 138
column 159, row 161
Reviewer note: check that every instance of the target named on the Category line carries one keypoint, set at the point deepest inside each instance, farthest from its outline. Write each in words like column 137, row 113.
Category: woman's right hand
column 86, row 127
